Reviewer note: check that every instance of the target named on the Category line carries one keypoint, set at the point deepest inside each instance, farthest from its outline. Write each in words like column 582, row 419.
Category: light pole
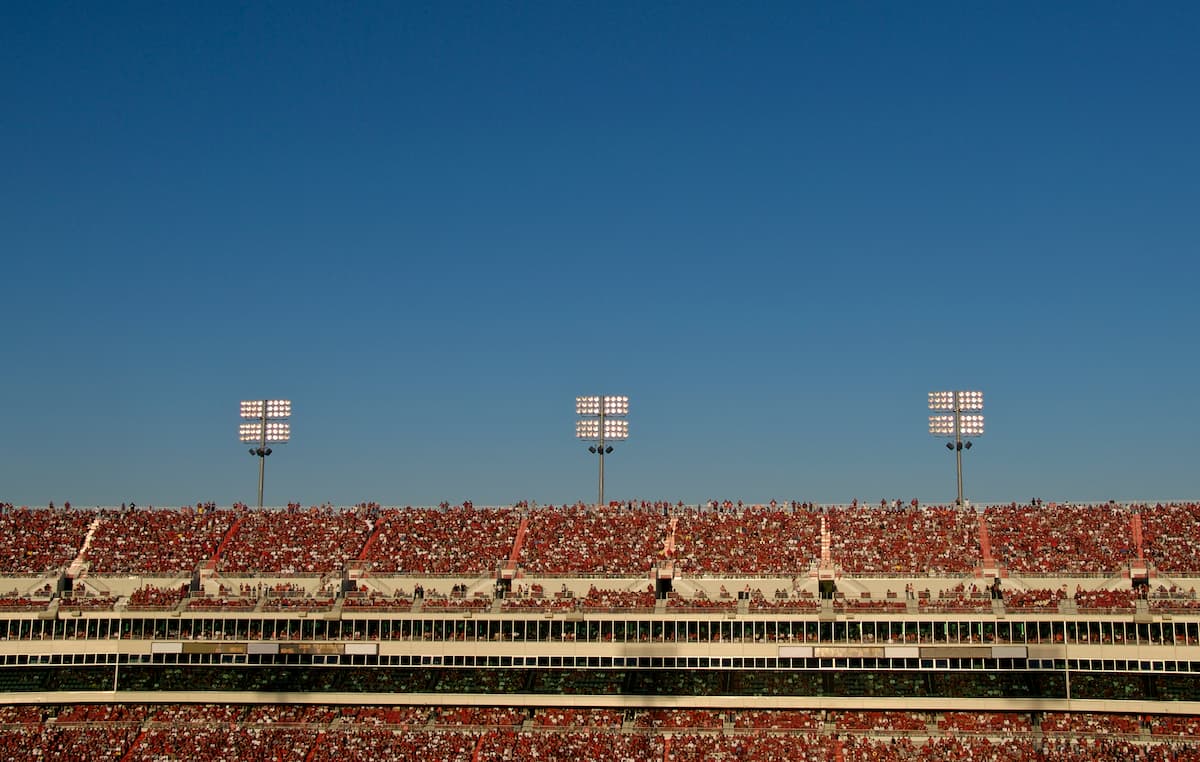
column 602, row 421
column 269, row 426
column 955, row 424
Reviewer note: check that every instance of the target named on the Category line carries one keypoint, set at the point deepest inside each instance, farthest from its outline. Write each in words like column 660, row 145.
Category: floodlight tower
column 955, row 424
column 602, row 421
column 269, row 426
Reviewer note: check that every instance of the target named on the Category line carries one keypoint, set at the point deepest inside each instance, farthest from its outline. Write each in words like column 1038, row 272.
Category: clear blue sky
column 775, row 226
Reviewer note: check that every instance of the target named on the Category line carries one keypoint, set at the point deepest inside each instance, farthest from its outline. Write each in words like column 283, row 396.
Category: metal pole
column 1068, row 664
column 600, row 502
column 117, row 665
column 958, row 446
column 262, row 454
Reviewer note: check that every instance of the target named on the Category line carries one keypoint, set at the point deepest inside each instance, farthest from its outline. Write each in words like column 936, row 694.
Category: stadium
column 776, row 225
column 638, row 630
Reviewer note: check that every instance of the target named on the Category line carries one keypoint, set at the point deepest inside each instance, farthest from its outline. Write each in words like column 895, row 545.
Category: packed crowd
column 277, row 732
column 937, row 540
column 1174, row 725
column 890, row 539
column 778, row 719
column 454, row 540
column 880, row 721
column 151, row 597
column 1172, row 535
column 156, row 540
column 604, row 600
column 300, row 541
column 281, row 743
column 298, row 603
column 760, row 604
column 665, row 719
column 1038, row 599
column 750, row 540
column 582, row 539
column 1061, row 538
column 1093, row 723
column 986, row 723
column 558, row 717
column 1105, row 601
column 41, row 539
column 80, row 600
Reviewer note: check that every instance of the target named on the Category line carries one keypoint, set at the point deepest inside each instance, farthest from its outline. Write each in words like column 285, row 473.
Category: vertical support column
column 600, row 500
column 958, row 445
column 262, row 455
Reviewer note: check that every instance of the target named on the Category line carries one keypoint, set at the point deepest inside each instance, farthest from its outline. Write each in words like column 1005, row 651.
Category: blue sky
column 775, row 226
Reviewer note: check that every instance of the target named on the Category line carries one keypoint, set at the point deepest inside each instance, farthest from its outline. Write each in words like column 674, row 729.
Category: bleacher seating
column 160, row 541
column 582, row 539
column 454, row 540
column 295, row 542
column 874, row 552
column 41, row 539
column 865, row 540
column 324, row 732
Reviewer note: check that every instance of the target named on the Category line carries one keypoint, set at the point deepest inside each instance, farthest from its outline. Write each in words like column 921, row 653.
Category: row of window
column 606, row 662
column 595, row 630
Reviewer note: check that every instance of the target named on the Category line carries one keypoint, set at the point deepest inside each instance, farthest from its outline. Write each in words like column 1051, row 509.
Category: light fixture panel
column 967, row 400
column 275, row 431
column 971, row 425
column 941, row 400
column 252, row 408
column 616, row 406
column 616, row 429
column 279, row 408
column 594, row 405
column 970, row 400
column 587, row 429
column 587, row 405
column 941, row 425
column 274, row 409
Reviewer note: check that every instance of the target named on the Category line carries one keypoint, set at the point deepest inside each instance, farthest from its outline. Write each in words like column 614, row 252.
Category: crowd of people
column 582, row 539
column 880, row 721
column 891, row 539
column 603, row 599
column 1095, row 723
column 278, row 733
column 665, row 719
column 154, row 598
column 560, row 717
column 150, row 540
column 937, row 540
column 1044, row 600
column 1105, row 600
column 1170, row 535
column 318, row 539
column 750, row 541
column 986, row 723
column 1057, row 539
column 451, row 540
column 41, row 539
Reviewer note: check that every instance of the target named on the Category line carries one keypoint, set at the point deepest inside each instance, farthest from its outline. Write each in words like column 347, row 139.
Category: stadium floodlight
column 275, row 432
column 956, row 401
column 268, row 427
column 602, row 422
column 274, row 409
column 953, row 423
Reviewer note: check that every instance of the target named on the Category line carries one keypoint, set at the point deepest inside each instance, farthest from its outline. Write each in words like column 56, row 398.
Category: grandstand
column 633, row 631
